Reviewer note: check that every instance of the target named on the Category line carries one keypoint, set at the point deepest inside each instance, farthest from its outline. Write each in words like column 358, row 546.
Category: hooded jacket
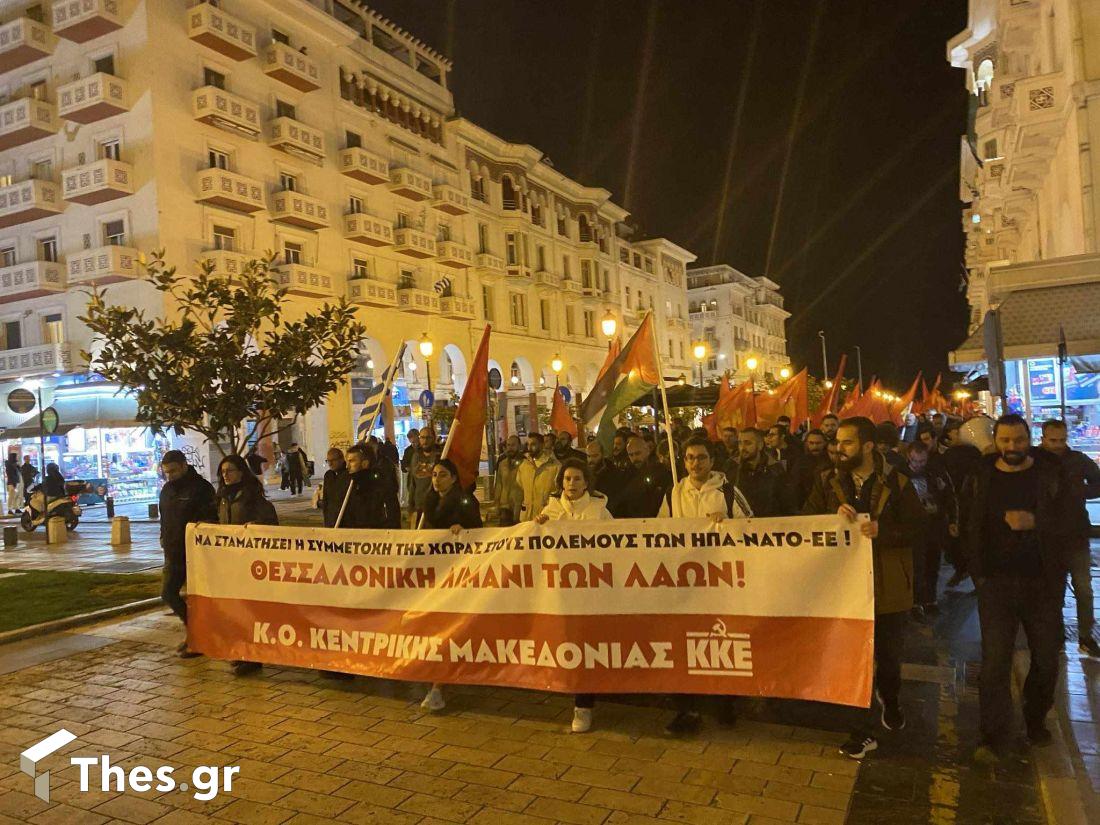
column 717, row 495
column 538, row 481
column 588, row 507
column 187, row 499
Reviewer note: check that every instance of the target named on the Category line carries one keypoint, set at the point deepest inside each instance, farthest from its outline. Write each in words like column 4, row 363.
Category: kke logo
column 719, row 653
column 206, row 780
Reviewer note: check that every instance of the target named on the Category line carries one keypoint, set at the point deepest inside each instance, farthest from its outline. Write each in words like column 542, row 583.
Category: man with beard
column 537, row 476
column 813, row 461
column 619, row 459
column 937, row 496
column 863, row 483
column 509, row 493
column 1012, row 554
column 832, row 452
column 1080, row 479
column 726, row 450
column 563, row 447
column 373, row 503
column 759, row 477
column 606, row 478
column 829, row 426
column 421, row 461
column 645, row 483
column 334, row 486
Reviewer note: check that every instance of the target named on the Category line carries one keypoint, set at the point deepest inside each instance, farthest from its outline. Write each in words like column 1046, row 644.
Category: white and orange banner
column 762, row 607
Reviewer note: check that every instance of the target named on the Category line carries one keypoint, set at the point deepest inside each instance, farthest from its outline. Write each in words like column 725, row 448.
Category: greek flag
column 372, row 407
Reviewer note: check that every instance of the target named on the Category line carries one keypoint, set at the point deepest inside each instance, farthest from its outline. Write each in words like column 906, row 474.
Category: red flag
column 710, row 420
column 829, row 400
column 464, row 440
column 790, row 399
column 897, row 408
column 735, row 408
column 850, row 402
column 612, row 353
column 560, row 419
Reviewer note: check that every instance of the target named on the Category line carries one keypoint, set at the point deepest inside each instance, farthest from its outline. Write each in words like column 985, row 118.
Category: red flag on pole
column 899, row 407
column 464, row 441
column 829, row 400
column 560, row 419
column 789, row 398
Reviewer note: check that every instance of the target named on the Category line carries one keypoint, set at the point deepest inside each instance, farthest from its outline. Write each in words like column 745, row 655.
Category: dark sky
column 641, row 97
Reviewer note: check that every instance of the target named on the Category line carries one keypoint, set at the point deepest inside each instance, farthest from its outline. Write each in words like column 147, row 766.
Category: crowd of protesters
column 1006, row 514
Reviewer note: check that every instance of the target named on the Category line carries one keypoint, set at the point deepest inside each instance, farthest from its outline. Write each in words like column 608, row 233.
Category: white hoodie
column 689, row 501
column 585, row 508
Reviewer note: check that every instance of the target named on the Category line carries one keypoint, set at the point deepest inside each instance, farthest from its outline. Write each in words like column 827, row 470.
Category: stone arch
column 521, row 368
column 454, row 362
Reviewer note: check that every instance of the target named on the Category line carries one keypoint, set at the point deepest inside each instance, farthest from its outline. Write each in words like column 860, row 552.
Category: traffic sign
column 427, row 399
column 495, row 381
column 20, row 401
column 50, row 420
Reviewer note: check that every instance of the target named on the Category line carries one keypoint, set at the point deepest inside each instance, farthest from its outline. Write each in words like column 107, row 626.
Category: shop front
column 1036, row 389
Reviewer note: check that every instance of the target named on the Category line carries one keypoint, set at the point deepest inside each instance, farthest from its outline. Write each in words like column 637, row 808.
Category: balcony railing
column 104, row 265
column 364, row 166
column 453, row 254
column 454, row 306
column 410, row 184
column 299, row 210
column 225, row 34
column 97, row 182
column 450, row 199
column 82, row 20
column 298, row 279
column 413, row 242
column 371, row 292
column 219, row 108
column 369, row 230
column 32, row 279
column 230, row 190
column 291, row 67
column 37, row 360
column 26, row 119
column 546, row 280
column 23, row 41
column 226, row 261
column 29, row 201
column 417, row 301
column 488, row 262
column 296, row 138
column 92, row 98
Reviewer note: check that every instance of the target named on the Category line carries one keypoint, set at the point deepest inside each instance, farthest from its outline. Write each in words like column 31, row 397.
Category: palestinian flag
column 630, row 376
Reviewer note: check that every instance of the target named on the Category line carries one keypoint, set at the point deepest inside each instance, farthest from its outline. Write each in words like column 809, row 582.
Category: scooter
column 65, row 507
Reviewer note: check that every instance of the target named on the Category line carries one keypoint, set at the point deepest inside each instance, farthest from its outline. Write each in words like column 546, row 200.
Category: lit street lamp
column 785, row 373
column 752, row 363
column 608, row 325
column 700, row 352
column 426, row 349
column 555, row 364
column 681, row 380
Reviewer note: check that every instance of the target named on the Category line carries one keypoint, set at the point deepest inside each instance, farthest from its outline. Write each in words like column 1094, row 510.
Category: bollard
column 120, row 530
column 110, row 501
column 154, row 512
column 11, row 536
column 56, row 532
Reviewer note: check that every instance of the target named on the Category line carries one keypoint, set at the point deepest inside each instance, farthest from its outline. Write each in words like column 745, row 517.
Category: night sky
column 642, row 98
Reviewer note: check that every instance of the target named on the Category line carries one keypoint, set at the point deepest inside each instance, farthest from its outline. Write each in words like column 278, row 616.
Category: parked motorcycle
column 65, row 507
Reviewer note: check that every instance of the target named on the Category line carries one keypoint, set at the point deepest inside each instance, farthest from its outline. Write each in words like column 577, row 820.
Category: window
column 47, row 249
column 649, row 266
column 569, row 324
column 13, row 335
column 287, row 182
column 586, row 274
column 487, row 302
column 53, row 329
column 105, row 64
column 511, row 251
column 477, row 189
column 989, row 151
column 225, row 237
column 352, row 140
column 518, row 306
column 217, row 159
column 360, row 268
column 7, row 256
column 355, row 205
column 624, row 254
column 38, row 90
column 508, row 193
column 279, row 37
column 213, row 78
column 114, row 233
column 42, row 170
column 402, row 220
column 627, row 302
column 540, row 258
column 565, row 271
column 589, row 325
column 284, row 109
column 482, row 238
column 443, row 232
column 544, row 314
column 111, row 149
column 35, row 13
column 292, row 252
column 637, row 261
column 562, row 229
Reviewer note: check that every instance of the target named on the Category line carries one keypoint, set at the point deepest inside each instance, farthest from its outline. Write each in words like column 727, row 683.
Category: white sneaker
column 433, row 700
column 582, row 720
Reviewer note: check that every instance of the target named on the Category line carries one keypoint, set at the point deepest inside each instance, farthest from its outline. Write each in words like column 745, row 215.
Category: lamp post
column 608, row 325
column 859, row 364
column 785, row 373
column 824, row 357
column 700, row 352
column 426, row 349
column 752, row 363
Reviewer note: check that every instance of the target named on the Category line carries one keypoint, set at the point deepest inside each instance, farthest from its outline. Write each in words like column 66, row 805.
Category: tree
column 227, row 356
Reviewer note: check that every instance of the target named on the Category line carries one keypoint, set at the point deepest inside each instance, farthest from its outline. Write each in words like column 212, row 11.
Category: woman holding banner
column 447, row 506
column 576, row 503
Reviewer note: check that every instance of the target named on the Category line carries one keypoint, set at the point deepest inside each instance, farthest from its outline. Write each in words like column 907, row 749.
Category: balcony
column 227, row 261
column 83, row 20
column 92, row 98
column 37, row 360
column 1043, row 103
column 295, row 138
column 221, row 32
column 372, row 293
column 98, row 182
column 364, row 166
column 105, row 265
column 547, row 281
column 409, row 184
column 26, row 119
column 369, row 230
column 303, row 280
column 453, row 306
column 29, row 201
column 417, row 301
column 23, row 41
column 31, row 280
column 291, row 67
column 413, row 242
column 450, row 199
column 674, row 323
column 301, row 210
column 489, row 267
column 223, row 110
column 219, row 187
column 453, row 254
column 571, row 288
column 518, row 273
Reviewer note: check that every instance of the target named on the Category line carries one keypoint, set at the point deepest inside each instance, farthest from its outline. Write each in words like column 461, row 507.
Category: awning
column 1031, row 320
column 82, row 405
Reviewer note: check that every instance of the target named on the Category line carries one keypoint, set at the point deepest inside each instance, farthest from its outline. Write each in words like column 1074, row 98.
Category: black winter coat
column 189, row 499
column 333, row 489
column 373, row 503
column 456, row 507
column 765, row 488
column 642, row 491
column 245, row 506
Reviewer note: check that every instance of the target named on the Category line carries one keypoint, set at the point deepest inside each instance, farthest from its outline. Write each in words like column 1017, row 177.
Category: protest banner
column 764, row 607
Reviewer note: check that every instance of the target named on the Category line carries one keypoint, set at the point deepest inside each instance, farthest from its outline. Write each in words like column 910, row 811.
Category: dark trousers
column 927, row 558
column 1075, row 556
column 889, row 650
column 294, row 481
column 173, row 577
column 584, row 700
column 1004, row 604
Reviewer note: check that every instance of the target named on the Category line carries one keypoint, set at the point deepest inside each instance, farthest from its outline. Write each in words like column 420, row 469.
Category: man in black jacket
column 1080, row 479
column 1011, row 552
column 759, row 477
column 373, row 502
column 186, row 497
column 334, row 486
column 644, row 485
column 606, row 478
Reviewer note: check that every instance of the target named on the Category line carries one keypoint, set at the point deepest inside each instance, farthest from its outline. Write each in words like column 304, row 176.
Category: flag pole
column 664, row 403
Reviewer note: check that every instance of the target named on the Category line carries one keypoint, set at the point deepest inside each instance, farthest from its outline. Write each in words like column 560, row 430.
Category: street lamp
column 426, row 349
column 824, row 357
column 370, row 363
column 608, row 325
column 555, row 364
column 829, row 384
column 681, row 380
column 752, row 364
column 859, row 364
column 700, row 352
column 785, row 373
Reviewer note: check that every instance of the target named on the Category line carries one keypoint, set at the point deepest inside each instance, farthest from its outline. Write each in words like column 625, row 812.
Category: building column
column 339, row 417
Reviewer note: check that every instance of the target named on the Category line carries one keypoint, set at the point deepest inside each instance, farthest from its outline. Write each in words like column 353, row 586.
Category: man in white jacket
column 705, row 493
